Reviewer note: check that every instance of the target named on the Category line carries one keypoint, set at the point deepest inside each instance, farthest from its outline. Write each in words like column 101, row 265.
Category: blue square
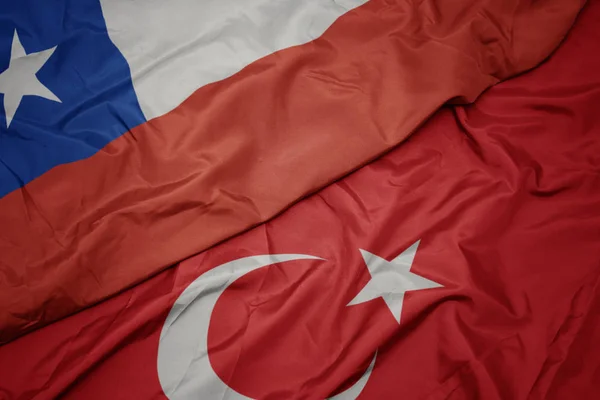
column 86, row 72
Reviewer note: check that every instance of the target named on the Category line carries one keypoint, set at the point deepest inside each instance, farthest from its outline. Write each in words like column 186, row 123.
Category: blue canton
column 86, row 72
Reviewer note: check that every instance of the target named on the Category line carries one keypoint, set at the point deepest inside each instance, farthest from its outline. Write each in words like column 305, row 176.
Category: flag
column 462, row 264
column 136, row 134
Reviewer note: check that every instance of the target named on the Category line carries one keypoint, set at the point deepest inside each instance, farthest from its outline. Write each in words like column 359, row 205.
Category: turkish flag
column 463, row 264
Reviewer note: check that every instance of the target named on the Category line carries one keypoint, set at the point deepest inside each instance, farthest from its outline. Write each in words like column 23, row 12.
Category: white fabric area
column 174, row 47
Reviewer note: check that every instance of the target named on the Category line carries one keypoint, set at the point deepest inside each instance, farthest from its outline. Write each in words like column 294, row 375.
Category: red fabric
column 239, row 151
column 504, row 195
column 573, row 367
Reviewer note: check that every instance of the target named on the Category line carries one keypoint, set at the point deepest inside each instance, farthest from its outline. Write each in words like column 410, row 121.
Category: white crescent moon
column 184, row 369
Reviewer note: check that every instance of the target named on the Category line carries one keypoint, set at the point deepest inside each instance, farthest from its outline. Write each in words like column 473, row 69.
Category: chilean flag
column 137, row 133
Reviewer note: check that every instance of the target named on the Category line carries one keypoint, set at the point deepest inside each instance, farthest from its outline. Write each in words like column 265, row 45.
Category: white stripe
column 173, row 47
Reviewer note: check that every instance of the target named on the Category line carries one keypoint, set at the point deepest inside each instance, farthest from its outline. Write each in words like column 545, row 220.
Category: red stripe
column 239, row 151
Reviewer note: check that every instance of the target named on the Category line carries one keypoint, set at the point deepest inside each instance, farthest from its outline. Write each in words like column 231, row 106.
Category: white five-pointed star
column 19, row 79
column 390, row 280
